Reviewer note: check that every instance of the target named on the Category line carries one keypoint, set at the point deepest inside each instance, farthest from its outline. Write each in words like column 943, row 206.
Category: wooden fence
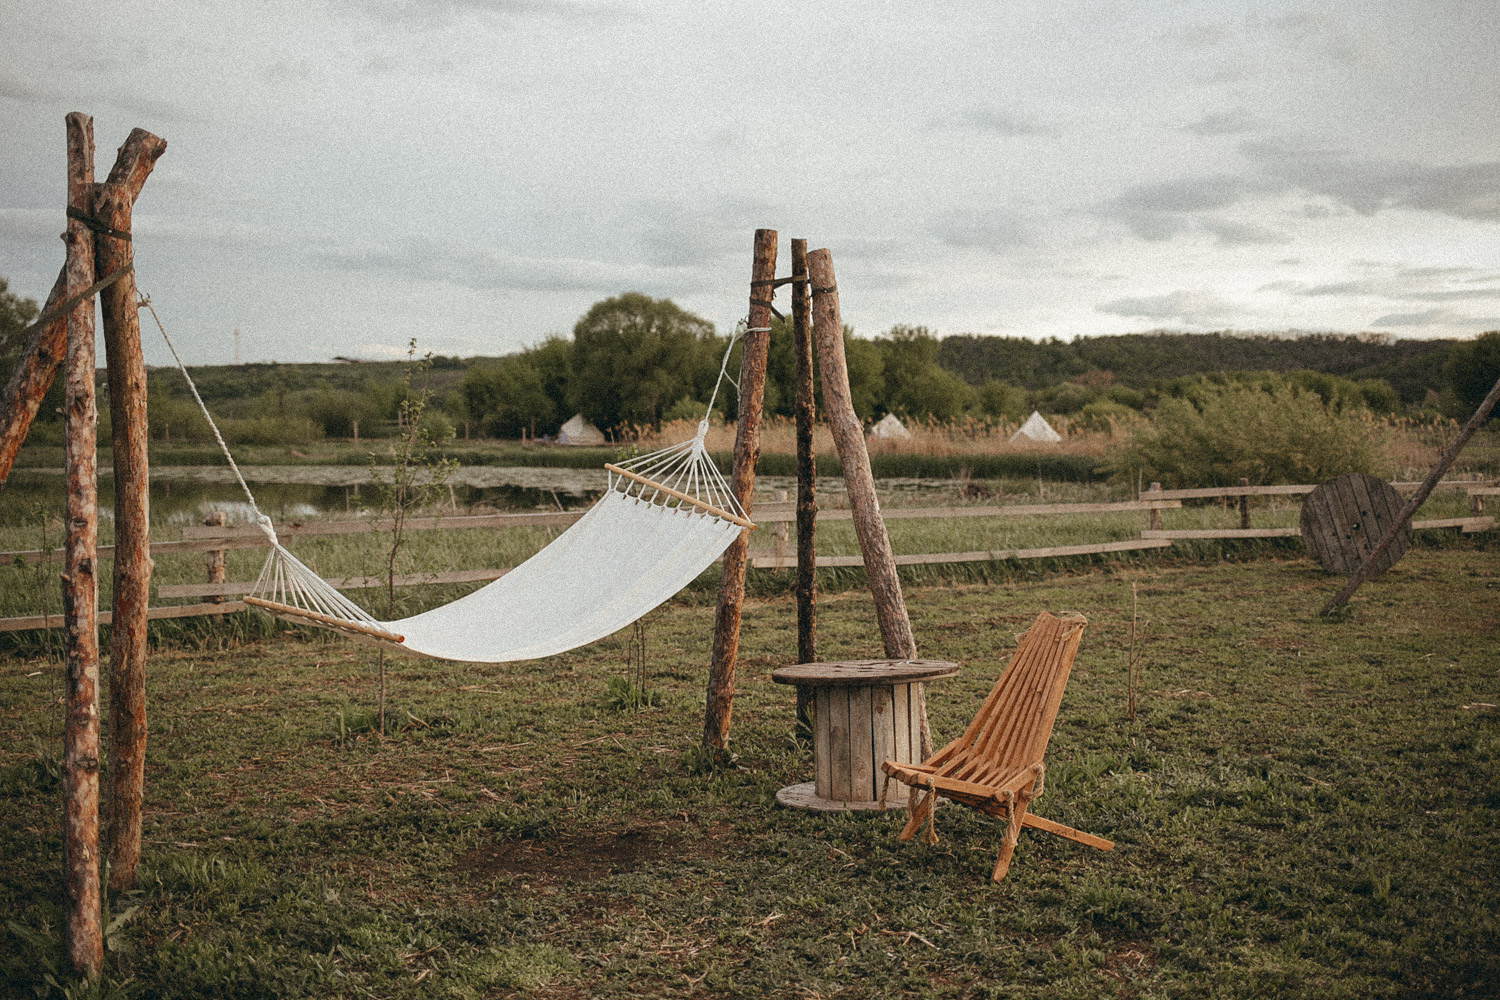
column 777, row 514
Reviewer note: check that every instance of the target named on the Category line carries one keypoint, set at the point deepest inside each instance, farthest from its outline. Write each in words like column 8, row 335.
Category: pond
column 185, row 494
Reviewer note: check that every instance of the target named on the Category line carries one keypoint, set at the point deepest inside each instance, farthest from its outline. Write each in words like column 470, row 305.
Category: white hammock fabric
column 645, row 540
column 664, row 518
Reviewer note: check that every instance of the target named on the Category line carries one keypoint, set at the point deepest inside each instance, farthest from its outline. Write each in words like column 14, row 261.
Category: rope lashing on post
column 89, row 222
column 664, row 518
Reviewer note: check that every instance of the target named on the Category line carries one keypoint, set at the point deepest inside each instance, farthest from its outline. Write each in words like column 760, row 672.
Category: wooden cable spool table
column 864, row 712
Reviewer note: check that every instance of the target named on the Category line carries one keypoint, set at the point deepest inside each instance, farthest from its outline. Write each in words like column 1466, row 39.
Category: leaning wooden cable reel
column 1344, row 519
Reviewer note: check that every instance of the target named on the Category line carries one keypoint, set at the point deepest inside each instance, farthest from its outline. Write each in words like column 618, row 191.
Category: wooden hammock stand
column 99, row 260
column 815, row 320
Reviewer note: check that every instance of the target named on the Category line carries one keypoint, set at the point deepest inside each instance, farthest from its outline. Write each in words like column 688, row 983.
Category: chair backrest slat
column 1014, row 725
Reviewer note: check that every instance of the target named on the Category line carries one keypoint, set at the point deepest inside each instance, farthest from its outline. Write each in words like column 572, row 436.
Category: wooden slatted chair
column 996, row 765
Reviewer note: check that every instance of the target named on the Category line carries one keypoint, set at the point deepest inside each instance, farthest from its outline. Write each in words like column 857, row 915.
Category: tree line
column 633, row 361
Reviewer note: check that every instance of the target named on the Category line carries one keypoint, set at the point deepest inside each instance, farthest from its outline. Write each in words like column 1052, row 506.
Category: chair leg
column 918, row 808
column 1008, row 844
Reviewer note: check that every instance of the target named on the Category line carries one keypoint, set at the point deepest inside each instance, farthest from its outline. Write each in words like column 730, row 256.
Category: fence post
column 1155, row 514
column 1244, row 504
column 213, row 560
column 779, row 534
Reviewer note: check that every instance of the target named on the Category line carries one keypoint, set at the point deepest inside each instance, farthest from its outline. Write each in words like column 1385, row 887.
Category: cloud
column 984, row 229
column 1333, row 37
column 1436, row 317
column 1368, row 186
column 1162, row 209
column 1233, row 122
column 1414, row 284
column 15, row 90
column 30, row 225
column 1194, row 308
column 441, row 13
column 1243, row 234
column 483, row 269
column 986, row 120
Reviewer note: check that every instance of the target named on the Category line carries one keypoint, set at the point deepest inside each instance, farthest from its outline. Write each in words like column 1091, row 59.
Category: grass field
column 1302, row 809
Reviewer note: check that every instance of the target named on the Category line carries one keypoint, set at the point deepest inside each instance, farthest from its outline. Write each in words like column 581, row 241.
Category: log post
column 83, row 935
column 45, row 348
column 849, row 437
column 113, row 202
column 752, row 388
column 1244, row 504
column 213, row 560
column 1155, row 521
column 1402, row 523
column 805, row 410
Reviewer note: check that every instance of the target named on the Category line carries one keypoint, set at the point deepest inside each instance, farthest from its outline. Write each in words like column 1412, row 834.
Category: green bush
column 271, row 430
column 1282, row 434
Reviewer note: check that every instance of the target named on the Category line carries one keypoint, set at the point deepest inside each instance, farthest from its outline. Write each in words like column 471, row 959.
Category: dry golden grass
column 1409, row 447
column 778, row 435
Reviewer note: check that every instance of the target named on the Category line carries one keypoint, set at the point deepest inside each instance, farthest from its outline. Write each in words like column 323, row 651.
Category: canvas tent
column 889, row 428
column 1036, row 428
column 580, row 432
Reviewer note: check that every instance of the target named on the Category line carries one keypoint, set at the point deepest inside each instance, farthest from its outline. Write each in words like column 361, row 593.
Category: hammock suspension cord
column 637, row 529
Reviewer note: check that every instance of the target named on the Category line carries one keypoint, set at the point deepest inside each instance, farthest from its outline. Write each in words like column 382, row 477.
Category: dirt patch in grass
column 585, row 858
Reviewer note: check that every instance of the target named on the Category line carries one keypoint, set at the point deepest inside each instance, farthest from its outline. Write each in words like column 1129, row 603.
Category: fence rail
column 211, row 538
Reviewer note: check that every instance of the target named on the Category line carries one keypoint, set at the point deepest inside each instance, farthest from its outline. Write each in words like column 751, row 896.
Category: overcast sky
column 344, row 175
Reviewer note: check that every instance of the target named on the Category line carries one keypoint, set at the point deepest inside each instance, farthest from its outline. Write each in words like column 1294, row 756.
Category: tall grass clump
column 1276, row 434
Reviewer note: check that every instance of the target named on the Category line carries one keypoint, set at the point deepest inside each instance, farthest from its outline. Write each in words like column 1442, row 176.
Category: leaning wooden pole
column 849, row 438
column 1403, row 520
column 805, row 410
column 113, row 202
column 752, row 388
column 84, row 941
column 32, row 377
column 45, row 347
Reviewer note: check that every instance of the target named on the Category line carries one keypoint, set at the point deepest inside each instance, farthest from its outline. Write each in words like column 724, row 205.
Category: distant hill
column 1140, row 359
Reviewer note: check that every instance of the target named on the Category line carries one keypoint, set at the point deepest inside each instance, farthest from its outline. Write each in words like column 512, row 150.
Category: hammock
column 664, row 518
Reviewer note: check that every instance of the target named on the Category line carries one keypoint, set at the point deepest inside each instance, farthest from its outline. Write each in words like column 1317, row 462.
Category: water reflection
column 182, row 498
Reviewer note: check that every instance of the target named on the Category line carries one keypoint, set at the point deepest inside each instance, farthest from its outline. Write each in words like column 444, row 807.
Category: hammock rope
column 665, row 516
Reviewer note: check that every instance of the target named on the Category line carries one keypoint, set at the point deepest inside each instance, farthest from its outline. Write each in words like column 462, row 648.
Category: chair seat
column 923, row 776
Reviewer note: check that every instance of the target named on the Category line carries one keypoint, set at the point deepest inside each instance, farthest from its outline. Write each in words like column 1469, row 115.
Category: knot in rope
column 264, row 523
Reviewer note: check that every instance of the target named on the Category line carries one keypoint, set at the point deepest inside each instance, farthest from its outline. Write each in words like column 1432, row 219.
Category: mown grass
column 1301, row 808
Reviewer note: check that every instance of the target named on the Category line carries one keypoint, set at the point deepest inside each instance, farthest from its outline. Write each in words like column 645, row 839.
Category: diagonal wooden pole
column 113, row 202
column 720, row 695
column 848, row 436
column 1403, row 519
column 83, row 933
column 44, row 349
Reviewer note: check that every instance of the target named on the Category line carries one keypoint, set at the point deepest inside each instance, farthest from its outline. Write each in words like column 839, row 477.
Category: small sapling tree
column 417, row 477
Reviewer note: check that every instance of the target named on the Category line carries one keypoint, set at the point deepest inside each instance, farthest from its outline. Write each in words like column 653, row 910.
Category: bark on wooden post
column 805, row 410
column 849, row 437
column 132, row 564
column 1155, row 521
column 1244, row 505
column 752, row 387
column 1367, row 568
column 84, row 941
column 48, row 343
column 32, row 376
column 213, row 560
